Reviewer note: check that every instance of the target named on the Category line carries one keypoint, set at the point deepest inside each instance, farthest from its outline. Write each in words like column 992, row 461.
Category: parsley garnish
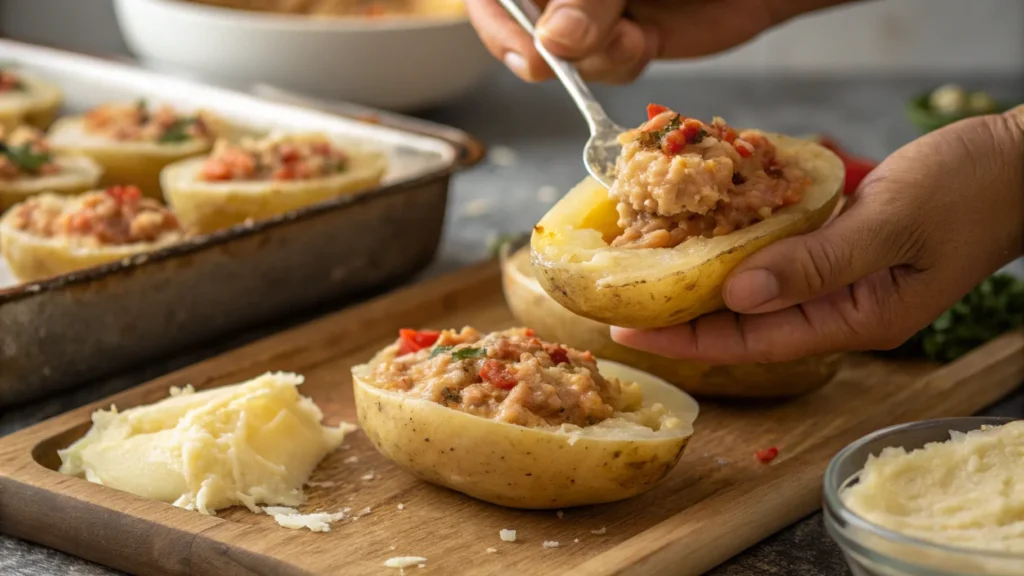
column 438, row 350
column 178, row 132
column 467, row 353
column 652, row 139
column 994, row 307
column 25, row 157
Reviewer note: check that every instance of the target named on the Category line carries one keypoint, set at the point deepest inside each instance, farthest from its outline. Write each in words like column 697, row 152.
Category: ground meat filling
column 9, row 82
column 138, row 122
column 24, row 152
column 274, row 158
column 510, row 376
column 678, row 178
column 115, row 216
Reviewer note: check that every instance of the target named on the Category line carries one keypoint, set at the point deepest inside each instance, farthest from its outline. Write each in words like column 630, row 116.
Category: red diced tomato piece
column 530, row 333
column 558, row 355
column 495, row 372
column 124, row 194
column 767, row 455
column 743, row 149
column 655, row 109
column 216, row 170
column 415, row 340
column 729, row 134
column 674, row 143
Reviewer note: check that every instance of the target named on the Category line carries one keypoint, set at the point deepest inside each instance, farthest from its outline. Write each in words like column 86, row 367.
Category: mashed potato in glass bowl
column 934, row 498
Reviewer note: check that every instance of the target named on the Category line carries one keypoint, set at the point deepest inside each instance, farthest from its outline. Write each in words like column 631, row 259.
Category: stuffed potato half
column 657, row 287
column 50, row 235
column 528, row 467
column 126, row 161
column 533, row 307
column 208, row 206
column 27, row 99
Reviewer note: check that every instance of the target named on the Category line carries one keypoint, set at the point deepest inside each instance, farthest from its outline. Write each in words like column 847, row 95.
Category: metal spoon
column 603, row 147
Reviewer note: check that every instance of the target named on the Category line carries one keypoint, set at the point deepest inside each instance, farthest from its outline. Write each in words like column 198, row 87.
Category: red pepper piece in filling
column 122, row 194
column 655, row 109
column 497, row 374
column 743, row 149
column 674, row 143
column 558, row 355
column 767, row 455
column 415, row 340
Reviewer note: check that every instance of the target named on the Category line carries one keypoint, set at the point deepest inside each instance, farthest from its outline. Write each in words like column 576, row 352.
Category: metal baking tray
column 69, row 329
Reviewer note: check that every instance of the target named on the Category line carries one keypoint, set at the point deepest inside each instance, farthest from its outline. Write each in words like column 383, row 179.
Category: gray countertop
column 536, row 137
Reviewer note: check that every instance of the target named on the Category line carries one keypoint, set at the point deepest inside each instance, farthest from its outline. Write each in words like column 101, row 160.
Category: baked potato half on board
column 49, row 235
column 655, row 250
column 260, row 178
column 533, row 307
column 25, row 98
column 133, row 142
column 519, row 422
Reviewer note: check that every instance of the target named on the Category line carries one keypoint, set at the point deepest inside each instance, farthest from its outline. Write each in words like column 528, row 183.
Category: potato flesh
column 658, row 287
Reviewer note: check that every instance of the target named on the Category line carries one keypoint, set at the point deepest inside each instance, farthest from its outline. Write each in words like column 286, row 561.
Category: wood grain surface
column 718, row 501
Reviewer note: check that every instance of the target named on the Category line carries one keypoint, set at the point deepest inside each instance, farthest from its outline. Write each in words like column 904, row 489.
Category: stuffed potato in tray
column 123, row 190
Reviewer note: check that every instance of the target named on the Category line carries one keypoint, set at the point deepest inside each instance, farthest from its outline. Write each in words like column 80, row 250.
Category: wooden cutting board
column 717, row 502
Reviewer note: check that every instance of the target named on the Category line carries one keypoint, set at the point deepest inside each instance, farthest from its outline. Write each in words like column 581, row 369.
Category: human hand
column 608, row 46
column 934, row 219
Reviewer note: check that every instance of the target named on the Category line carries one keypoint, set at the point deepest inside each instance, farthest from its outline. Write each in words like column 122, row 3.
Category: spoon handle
column 527, row 13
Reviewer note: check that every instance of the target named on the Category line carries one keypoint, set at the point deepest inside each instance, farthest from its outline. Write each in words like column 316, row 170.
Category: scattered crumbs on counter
column 186, row 389
column 576, row 541
column 350, row 460
column 404, row 561
column 507, row 535
column 295, row 520
column 393, row 547
column 421, row 565
column 368, row 476
column 721, row 461
column 600, row 531
column 550, row 544
column 560, row 514
column 503, row 156
column 492, row 550
column 401, row 506
column 326, row 484
column 477, row 207
column 365, row 511
column 547, row 194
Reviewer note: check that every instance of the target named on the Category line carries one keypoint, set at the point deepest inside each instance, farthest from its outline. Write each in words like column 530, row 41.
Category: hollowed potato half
column 533, row 307
column 37, row 105
column 205, row 207
column 522, row 467
column 77, row 174
column 658, row 287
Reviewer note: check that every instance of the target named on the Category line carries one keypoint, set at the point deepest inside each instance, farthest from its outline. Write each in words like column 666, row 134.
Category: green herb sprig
column 178, row 132
column 994, row 307
column 467, row 353
column 25, row 157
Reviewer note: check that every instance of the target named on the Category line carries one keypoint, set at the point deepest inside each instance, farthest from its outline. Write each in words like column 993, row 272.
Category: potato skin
column 124, row 163
column 205, row 207
column 659, row 287
column 510, row 465
column 31, row 258
column 533, row 307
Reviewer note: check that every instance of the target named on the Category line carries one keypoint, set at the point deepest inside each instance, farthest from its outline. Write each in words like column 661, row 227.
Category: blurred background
column 878, row 36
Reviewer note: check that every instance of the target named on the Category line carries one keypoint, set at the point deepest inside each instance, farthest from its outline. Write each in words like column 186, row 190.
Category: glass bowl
column 871, row 550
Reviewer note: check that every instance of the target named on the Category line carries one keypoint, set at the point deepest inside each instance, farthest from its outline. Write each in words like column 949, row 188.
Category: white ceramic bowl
column 400, row 64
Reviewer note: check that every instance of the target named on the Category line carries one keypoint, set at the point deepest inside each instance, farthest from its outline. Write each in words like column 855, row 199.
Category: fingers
column 866, row 316
column 506, row 40
column 594, row 36
column 574, row 29
column 855, row 245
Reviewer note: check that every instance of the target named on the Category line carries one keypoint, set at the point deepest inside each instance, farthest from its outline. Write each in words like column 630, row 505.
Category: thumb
column 574, row 29
column 855, row 245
